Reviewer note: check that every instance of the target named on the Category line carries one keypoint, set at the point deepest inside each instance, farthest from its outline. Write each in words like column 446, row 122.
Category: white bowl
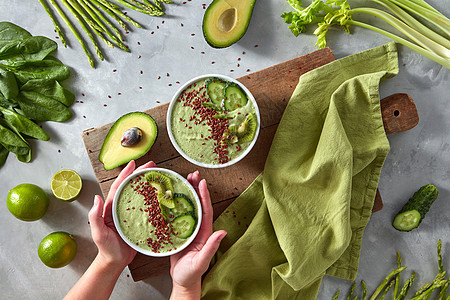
column 136, row 247
column 169, row 126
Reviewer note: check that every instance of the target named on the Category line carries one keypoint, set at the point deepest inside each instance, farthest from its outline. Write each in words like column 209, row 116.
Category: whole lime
column 57, row 249
column 27, row 202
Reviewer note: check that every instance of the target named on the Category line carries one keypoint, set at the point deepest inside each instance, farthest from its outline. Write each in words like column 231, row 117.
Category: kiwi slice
column 163, row 186
column 247, row 129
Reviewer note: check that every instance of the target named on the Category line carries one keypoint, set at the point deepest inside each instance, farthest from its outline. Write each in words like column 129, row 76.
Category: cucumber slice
column 215, row 88
column 234, row 97
column 183, row 226
column 183, row 205
column 407, row 221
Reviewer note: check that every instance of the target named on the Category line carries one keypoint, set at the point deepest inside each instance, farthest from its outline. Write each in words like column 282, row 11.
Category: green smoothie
column 213, row 121
column 157, row 212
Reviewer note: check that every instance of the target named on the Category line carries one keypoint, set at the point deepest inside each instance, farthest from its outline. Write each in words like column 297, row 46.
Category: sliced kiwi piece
column 247, row 129
column 164, row 188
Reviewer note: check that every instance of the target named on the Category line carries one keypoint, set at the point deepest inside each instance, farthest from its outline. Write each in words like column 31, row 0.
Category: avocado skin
column 209, row 21
column 126, row 154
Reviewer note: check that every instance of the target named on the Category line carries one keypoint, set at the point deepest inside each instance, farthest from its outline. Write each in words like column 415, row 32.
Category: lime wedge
column 66, row 185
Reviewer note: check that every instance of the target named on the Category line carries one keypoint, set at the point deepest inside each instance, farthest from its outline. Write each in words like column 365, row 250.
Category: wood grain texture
column 272, row 88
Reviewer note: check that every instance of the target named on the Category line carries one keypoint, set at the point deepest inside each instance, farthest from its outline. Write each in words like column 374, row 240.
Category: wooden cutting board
column 272, row 88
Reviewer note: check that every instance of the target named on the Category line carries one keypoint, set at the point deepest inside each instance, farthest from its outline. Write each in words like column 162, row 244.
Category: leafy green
column 10, row 32
column 18, row 52
column 8, row 84
column 51, row 89
column 23, row 124
column 42, row 108
column 338, row 13
column 11, row 141
column 3, row 155
column 29, row 90
column 48, row 68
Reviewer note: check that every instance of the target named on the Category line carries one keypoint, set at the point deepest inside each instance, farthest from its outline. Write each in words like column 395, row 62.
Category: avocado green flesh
column 113, row 154
column 226, row 21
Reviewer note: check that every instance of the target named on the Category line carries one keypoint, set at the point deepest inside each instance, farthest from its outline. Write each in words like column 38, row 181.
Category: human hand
column 111, row 248
column 188, row 266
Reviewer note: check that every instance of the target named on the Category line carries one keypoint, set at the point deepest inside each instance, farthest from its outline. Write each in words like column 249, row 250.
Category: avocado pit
column 131, row 137
column 227, row 19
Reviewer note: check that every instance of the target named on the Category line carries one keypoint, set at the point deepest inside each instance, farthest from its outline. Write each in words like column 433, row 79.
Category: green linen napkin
column 304, row 216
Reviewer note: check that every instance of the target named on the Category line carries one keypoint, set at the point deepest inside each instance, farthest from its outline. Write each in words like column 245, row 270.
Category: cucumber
column 183, row 205
column 215, row 88
column 414, row 211
column 184, row 225
column 234, row 97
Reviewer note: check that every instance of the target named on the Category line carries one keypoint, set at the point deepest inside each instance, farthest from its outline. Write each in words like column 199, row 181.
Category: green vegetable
column 414, row 211
column 338, row 12
column 352, row 289
column 385, row 282
column 397, row 277
column 90, row 15
column 184, row 225
column 29, row 90
column 424, row 293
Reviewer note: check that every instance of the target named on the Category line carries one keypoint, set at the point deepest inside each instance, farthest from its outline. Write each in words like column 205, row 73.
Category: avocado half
column 113, row 154
column 226, row 21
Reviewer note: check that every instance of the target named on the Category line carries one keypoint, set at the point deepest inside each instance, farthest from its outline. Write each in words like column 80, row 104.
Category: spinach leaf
column 3, row 155
column 17, row 53
column 41, row 108
column 8, row 84
column 10, row 32
column 11, row 141
column 21, row 157
column 24, row 125
column 51, row 89
column 48, row 68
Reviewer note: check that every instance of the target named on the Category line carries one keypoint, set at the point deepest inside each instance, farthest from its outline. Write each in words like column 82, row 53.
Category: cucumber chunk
column 184, row 225
column 215, row 88
column 407, row 221
column 234, row 97
column 414, row 211
column 183, row 205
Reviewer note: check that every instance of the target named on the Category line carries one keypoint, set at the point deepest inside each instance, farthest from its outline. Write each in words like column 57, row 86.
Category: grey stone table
column 171, row 50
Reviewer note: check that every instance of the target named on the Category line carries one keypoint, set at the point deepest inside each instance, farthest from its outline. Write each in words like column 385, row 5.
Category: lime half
column 66, row 185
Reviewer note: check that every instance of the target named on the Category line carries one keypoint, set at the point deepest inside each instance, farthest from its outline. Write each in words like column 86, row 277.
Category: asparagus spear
column 397, row 277
column 443, row 292
column 336, row 296
column 99, row 14
column 97, row 29
column 439, row 253
column 386, row 290
column 139, row 8
column 55, row 22
column 115, row 9
column 74, row 31
column 352, row 289
column 406, row 287
column 106, row 30
column 385, row 281
column 83, row 25
column 364, row 286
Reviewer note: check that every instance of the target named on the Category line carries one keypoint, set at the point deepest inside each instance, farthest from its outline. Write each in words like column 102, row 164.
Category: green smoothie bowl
column 213, row 121
column 157, row 212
